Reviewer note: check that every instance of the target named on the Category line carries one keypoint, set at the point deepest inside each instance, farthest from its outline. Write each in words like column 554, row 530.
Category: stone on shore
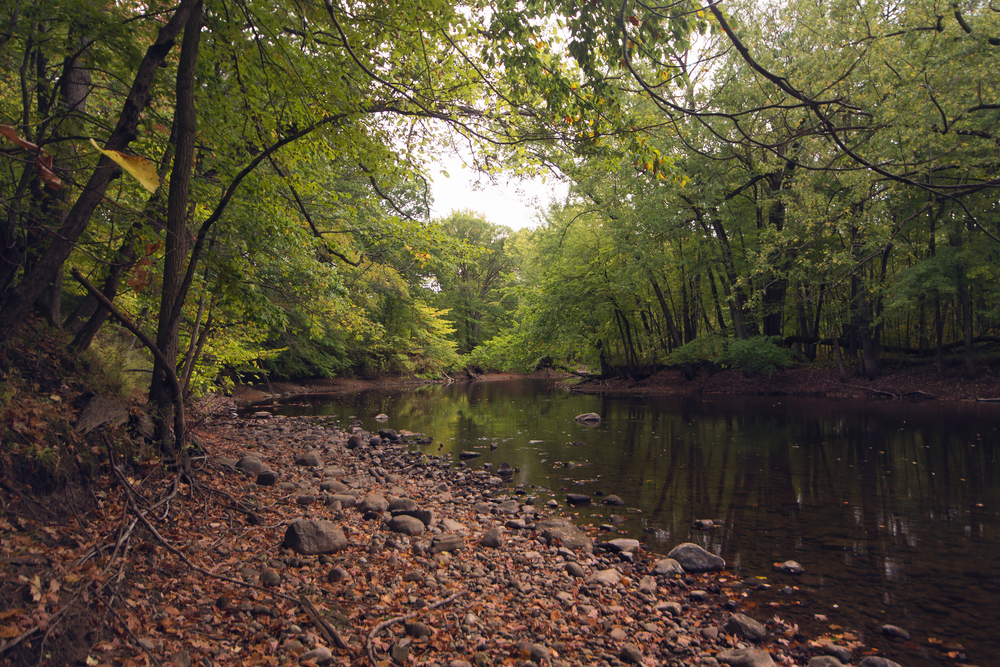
column 631, row 653
column 373, row 503
column 878, row 661
column 446, row 542
column 745, row 657
column 667, row 566
column 695, row 559
column 569, row 536
column 492, row 538
column 251, row 464
column 314, row 537
column 405, row 524
column 310, row 460
column 824, row 661
column 746, row 627
column 609, row 577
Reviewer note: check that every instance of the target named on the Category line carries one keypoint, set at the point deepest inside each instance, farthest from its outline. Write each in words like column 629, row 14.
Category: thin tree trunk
column 178, row 240
column 675, row 335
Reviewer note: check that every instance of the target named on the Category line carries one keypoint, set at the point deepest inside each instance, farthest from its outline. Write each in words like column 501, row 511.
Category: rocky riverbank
column 306, row 541
column 416, row 560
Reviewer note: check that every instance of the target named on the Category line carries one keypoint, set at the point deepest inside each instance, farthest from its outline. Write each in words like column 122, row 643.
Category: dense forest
column 244, row 186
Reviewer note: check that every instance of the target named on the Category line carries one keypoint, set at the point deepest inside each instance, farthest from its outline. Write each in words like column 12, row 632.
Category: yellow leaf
column 141, row 169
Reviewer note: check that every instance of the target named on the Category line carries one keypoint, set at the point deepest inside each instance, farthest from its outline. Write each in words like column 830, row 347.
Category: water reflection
column 892, row 508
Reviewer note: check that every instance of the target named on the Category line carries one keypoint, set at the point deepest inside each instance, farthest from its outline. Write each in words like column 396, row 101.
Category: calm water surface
column 892, row 508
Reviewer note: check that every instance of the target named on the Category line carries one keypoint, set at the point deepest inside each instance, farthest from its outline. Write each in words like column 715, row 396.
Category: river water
column 892, row 508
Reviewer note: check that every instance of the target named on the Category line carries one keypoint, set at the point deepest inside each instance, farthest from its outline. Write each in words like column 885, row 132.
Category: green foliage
column 760, row 354
column 511, row 352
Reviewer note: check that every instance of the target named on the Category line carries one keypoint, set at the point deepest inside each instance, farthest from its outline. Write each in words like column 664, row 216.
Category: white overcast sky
column 508, row 201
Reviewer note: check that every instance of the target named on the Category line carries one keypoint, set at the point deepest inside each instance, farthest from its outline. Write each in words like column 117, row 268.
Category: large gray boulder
column 695, row 559
column 250, row 463
column 314, row 537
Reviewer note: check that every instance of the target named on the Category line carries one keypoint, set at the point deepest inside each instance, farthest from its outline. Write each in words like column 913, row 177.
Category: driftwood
column 101, row 411
column 369, row 646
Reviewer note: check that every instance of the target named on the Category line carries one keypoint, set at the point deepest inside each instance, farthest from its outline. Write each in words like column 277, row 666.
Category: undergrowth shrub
column 760, row 354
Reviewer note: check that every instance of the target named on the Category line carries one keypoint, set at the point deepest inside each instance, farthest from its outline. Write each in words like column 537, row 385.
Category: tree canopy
column 246, row 184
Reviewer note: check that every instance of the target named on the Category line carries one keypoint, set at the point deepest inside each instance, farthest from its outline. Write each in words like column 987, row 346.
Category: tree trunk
column 178, row 240
column 675, row 335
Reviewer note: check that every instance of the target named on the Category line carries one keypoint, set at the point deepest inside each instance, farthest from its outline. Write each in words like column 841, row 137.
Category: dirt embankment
column 920, row 383
column 913, row 383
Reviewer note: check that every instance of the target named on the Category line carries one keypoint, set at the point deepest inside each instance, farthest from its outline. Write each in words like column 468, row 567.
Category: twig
column 121, row 620
column 6, row 646
column 369, row 647
column 324, row 626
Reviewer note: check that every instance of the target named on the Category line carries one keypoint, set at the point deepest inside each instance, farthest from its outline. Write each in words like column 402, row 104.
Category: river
column 892, row 508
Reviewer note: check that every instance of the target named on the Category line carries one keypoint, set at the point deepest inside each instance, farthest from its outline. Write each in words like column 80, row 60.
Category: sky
column 511, row 202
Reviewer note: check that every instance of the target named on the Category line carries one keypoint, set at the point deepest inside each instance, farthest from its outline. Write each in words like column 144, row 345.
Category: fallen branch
column 369, row 647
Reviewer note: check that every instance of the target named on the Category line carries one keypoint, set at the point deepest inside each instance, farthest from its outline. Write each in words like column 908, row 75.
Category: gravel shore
column 413, row 559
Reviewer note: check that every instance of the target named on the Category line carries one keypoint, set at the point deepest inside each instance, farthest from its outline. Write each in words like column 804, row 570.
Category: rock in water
column 588, row 417
column 577, row 499
column 695, row 559
column 314, row 537
column 465, row 456
column 895, row 632
column 791, row 567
